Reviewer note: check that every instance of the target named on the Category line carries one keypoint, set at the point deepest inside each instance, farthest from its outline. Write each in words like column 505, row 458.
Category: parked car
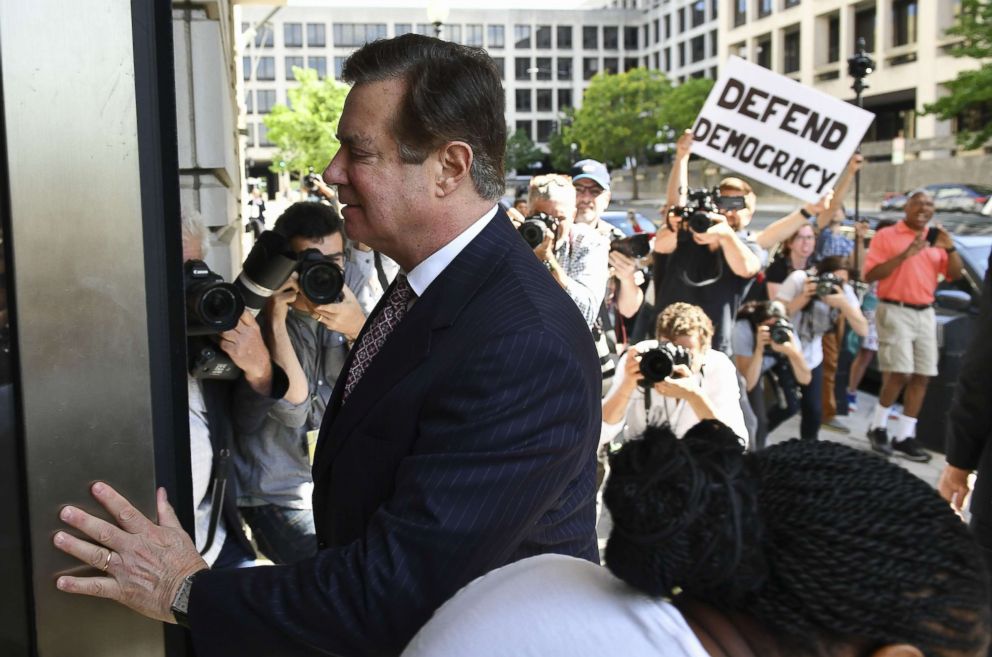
column 947, row 197
column 957, row 304
column 623, row 221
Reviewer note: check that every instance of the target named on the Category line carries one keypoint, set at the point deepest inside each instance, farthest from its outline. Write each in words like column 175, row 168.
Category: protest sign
column 774, row 130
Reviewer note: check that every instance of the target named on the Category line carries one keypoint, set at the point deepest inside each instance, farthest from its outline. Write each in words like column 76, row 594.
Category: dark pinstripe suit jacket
column 468, row 444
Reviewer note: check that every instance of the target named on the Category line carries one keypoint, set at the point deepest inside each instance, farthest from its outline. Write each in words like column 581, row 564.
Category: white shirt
column 201, row 460
column 717, row 379
column 554, row 605
column 424, row 274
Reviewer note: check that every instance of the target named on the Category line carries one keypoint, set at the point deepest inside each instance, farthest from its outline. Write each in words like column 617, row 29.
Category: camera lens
column 321, row 280
column 212, row 306
column 699, row 222
column 218, row 304
column 532, row 231
column 268, row 265
column 656, row 365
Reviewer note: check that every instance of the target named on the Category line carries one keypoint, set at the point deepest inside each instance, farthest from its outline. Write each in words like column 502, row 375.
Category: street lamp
column 437, row 13
column 859, row 66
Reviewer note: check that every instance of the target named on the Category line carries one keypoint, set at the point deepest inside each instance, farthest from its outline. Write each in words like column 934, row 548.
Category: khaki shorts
column 907, row 340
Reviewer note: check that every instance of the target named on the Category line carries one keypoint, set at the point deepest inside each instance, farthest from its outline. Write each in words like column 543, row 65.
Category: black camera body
column 657, row 364
column 212, row 306
column 702, row 202
column 534, row 227
column 826, row 284
column 269, row 263
column 781, row 331
column 311, row 182
column 321, row 279
column 636, row 246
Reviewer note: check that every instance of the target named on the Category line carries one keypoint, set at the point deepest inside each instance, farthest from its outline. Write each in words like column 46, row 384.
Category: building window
column 263, row 135
column 473, row 36
column 266, row 68
column 317, row 34
column 318, row 64
column 903, row 22
column 564, row 68
column 496, row 35
column 590, row 37
column 357, row 34
column 521, row 36
column 501, row 67
column 425, row 29
column 698, row 13
column 656, row 31
column 544, row 100
column 564, row 99
column 266, row 99
column 698, row 48
column 264, row 36
column 565, row 36
column 611, row 38
column 339, row 66
column 292, row 35
column 290, row 63
column 681, row 20
column 668, row 60
column 525, row 127
column 657, row 61
column 864, row 28
column 545, row 129
column 714, row 40
column 542, row 37
column 403, row 28
column 792, row 3
column 521, row 67
column 764, row 8
column 791, row 55
column 544, row 68
column 590, row 67
column 453, row 33
column 630, row 40
column 611, row 65
column 740, row 12
column 714, row 11
column 630, row 63
column 249, row 102
column 246, row 68
column 763, row 52
column 682, row 59
column 833, row 39
column 523, row 100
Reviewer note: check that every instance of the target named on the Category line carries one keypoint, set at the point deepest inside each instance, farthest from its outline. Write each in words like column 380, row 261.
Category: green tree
column 304, row 132
column 521, row 152
column 683, row 103
column 970, row 94
column 620, row 116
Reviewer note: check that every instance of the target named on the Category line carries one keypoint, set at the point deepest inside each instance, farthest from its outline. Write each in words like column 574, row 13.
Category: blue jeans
column 284, row 535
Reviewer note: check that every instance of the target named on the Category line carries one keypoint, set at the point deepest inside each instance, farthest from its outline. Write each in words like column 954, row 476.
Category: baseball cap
column 593, row 170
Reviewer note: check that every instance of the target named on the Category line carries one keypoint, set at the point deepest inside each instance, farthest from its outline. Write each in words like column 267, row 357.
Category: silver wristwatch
column 180, row 604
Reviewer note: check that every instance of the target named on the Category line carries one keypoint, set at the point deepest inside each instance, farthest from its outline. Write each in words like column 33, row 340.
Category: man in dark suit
column 462, row 436
column 969, row 435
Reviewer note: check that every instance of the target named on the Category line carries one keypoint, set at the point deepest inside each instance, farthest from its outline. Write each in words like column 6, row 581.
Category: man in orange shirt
column 907, row 267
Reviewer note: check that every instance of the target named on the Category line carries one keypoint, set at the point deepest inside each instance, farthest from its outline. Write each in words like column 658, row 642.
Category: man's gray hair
column 194, row 230
column 551, row 187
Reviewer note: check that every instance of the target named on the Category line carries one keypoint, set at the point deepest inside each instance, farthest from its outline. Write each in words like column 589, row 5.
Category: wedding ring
column 106, row 565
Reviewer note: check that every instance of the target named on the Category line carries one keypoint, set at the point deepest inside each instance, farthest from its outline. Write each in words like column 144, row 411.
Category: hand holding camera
column 345, row 317
column 245, row 346
column 680, row 384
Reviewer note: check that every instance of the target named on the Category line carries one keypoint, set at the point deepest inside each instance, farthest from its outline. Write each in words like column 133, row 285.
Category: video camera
column 657, row 364
column 534, row 227
column 702, row 202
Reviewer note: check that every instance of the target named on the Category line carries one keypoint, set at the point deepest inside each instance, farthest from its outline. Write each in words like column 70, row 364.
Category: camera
column 702, row 202
column 212, row 306
column 781, row 331
column 269, row 263
column 321, row 279
column 827, row 284
column 657, row 364
column 311, row 182
column 533, row 228
column 635, row 246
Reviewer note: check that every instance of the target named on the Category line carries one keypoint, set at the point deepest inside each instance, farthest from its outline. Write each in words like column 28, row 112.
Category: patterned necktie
column 383, row 324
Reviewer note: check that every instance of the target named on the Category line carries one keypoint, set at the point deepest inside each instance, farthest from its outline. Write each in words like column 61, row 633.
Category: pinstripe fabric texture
column 468, row 444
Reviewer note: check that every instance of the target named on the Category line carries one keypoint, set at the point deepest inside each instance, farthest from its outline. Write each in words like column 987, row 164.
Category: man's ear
column 455, row 160
column 898, row 650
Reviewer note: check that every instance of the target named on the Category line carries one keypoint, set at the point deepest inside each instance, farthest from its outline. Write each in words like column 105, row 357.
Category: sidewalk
column 858, row 423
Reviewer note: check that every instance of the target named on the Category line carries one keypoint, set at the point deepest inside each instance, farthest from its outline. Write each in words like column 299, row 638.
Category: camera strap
column 709, row 281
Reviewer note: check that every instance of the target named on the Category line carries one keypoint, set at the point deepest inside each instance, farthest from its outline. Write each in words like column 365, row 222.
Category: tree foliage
column 683, row 103
column 521, row 152
column 304, row 132
column 971, row 92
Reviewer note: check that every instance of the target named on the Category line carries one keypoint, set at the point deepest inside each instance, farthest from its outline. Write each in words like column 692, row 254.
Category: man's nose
column 334, row 173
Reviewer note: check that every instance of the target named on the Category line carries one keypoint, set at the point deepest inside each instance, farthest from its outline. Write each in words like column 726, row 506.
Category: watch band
column 180, row 604
column 806, row 214
column 951, row 249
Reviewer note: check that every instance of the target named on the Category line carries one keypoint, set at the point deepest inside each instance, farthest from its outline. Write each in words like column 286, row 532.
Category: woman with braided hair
column 804, row 549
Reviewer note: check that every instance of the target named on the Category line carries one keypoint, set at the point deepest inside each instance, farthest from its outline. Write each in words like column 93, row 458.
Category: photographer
column 575, row 254
column 765, row 346
column 703, row 388
column 311, row 343
column 814, row 304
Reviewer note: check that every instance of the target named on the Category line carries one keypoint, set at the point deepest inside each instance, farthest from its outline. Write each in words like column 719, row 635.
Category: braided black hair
column 821, row 543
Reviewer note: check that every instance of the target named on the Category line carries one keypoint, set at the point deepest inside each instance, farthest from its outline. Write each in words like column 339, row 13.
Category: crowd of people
column 427, row 441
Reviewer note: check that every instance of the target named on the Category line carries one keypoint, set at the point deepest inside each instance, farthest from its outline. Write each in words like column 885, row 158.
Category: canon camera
column 657, row 364
column 534, row 228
